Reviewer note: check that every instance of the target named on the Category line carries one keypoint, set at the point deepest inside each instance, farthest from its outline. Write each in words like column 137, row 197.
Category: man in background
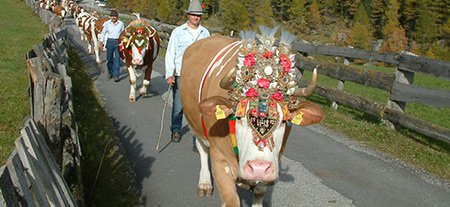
column 182, row 37
column 110, row 33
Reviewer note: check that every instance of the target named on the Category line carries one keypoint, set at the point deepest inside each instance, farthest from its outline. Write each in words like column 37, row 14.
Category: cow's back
column 196, row 62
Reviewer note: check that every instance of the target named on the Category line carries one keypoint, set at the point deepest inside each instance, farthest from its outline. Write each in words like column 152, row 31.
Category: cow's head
column 264, row 101
column 138, row 44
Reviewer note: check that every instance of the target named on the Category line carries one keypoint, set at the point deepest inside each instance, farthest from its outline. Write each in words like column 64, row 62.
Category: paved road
column 320, row 168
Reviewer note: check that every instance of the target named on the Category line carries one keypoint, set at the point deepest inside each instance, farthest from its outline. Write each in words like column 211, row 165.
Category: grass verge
column 106, row 174
column 414, row 149
column 16, row 41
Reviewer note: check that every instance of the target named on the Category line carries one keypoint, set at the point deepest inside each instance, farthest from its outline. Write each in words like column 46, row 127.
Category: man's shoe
column 194, row 149
column 110, row 76
column 116, row 79
column 176, row 137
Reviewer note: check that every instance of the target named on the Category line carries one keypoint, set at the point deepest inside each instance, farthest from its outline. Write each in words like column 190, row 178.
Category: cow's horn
column 310, row 88
column 226, row 82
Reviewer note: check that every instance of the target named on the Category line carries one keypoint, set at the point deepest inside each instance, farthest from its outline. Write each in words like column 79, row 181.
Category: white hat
column 195, row 8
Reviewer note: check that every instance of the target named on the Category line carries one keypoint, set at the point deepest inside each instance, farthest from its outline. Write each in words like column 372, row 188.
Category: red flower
column 254, row 112
column 263, row 83
column 268, row 55
column 249, row 59
column 203, row 6
column 277, row 96
column 251, row 92
column 285, row 63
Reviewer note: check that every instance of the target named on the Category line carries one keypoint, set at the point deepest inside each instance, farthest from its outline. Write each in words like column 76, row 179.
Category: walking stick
column 162, row 117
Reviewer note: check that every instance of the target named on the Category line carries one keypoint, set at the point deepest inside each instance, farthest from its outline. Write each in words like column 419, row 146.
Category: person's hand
column 170, row 80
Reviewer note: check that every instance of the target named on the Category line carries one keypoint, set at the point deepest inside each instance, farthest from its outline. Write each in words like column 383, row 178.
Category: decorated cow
column 139, row 47
column 240, row 99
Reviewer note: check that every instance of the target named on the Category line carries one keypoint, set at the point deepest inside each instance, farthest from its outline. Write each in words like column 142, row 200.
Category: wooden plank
column 36, row 183
column 436, row 68
column 19, row 181
column 8, row 195
column 63, row 189
column 52, row 102
column 342, row 72
column 344, row 52
column 418, row 125
column 41, row 169
column 416, row 94
column 350, row 100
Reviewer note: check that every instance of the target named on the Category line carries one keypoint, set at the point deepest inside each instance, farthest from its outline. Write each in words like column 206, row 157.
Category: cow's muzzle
column 259, row 170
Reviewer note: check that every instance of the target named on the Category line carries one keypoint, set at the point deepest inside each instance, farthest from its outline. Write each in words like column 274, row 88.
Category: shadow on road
column 135, row 153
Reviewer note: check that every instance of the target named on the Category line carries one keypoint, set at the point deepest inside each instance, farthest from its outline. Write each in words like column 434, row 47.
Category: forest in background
column 418, row 26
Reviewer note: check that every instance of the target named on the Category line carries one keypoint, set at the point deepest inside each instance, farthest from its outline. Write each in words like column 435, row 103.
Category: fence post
column 405, row 76
column 340, row 87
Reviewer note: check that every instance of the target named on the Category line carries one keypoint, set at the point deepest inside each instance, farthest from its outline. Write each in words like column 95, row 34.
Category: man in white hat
column 182, row 37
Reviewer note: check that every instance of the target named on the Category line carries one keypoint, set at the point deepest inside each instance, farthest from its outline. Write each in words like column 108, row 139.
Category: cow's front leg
column 132, row 78
column 258, row 195
column 224, row 177
column 204, row 187
column 143, row 90
column 89, row 47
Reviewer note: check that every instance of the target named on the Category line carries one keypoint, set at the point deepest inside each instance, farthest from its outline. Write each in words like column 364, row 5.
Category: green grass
column 423, row 152
column 112, row 187
column 18, row 37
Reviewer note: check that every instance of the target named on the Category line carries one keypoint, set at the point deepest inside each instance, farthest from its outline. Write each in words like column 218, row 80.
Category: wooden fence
column 399, row 86
column 31, row 176
column 48, row 147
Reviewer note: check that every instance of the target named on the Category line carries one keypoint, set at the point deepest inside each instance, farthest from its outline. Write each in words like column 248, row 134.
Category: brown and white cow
column 244, row 152
column 139, row 47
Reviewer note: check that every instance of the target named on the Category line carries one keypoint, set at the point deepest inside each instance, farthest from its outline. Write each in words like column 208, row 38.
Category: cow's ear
column 306, row 114
column 208, row 106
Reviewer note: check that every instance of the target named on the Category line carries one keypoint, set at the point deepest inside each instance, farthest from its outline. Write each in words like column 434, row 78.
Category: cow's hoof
column 145, row 94
column 204, row 190
column 132, row 99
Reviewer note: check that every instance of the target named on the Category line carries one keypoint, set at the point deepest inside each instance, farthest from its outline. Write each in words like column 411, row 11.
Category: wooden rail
column 49, row 145
column 400, row 88
column 31, row 176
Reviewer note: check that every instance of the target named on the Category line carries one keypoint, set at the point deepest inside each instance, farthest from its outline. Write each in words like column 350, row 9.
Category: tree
column 360, row 35
column 314, row 17
column 263, row 14
column 426, row 30
column 281, row 9
column 377, row 17
column 297, row 14
column 394, row 34
column 446, row 31
column 234, row 15
column 409, row 15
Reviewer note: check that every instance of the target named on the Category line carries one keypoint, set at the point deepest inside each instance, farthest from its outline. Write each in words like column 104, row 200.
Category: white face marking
column 249, row 151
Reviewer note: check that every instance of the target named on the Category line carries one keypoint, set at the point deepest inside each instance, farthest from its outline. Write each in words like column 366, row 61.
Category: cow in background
column 139, row 46
column 239, row 99
column 92, row 28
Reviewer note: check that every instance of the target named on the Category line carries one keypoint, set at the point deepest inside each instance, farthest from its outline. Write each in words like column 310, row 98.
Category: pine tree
column 326, row 9
column 377, row 17
column 394, row 34
column 446, row 32
column 426, row 30
column 263, row 14
column 314, row 17
column 234, row 15
column 297, row 14
column 163, row 11
column 409, row 15
column 360, row 36
column 281, row 9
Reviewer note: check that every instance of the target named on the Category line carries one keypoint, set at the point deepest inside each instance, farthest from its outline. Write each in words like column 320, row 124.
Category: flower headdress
column 265, row 78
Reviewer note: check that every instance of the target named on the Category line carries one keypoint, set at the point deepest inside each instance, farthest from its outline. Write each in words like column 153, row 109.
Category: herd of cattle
column 240, row 98
column 139, row 43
